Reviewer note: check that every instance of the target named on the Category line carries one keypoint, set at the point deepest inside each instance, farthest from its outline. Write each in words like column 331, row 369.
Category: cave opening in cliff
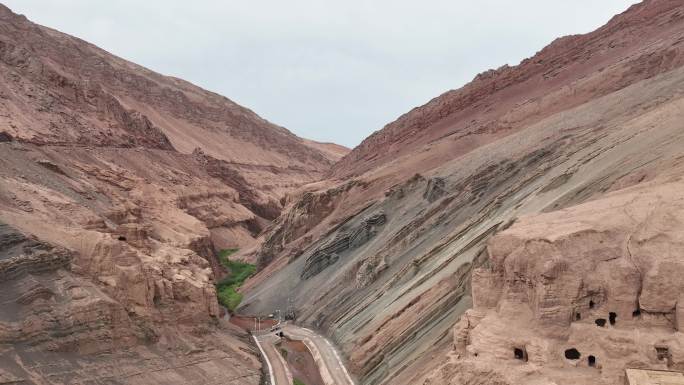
column 662, row 352
column 572, row 354
column 578, row 316
column 591, row 360
column 520, row 354
column 601, row 322
column 591, row 304
column 121, row 238
column 636, row 313
column 612, row 317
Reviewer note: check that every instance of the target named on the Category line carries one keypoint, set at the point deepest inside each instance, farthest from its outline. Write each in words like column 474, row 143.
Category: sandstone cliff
column 577, row 295
column 61, row 92
column 117, row 186
column 587, row 115
column 58, row 326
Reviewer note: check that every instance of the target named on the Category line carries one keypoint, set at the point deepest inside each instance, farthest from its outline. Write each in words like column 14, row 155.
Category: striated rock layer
column 58, row 326
column 117, row 187
column 60, row 93
column 600, row 281
column 586, row 116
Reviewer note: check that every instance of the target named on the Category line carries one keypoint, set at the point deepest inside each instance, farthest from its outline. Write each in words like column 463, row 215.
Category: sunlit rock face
column 117, row 187
column 578, row 295
column 586, row 116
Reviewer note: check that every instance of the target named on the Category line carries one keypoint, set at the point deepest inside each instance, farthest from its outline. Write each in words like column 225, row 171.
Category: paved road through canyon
column 330, row 364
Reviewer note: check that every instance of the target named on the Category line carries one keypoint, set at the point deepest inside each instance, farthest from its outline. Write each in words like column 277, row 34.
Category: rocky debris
column 303, row 216
column 140, row 131
column 33, row 263
column 10, row 241
column 346, row 239
column 435, row 189
column 21, row 204
column 258, row 203
column 15, row 247
column 50, row 166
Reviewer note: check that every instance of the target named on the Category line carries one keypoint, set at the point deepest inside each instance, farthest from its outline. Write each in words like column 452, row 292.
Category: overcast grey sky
column 327, row 70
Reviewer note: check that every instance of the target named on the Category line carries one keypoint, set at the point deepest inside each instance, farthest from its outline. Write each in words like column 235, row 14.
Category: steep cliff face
column 117, row 186
column 60, row 326
column 585, row 116
column 59, row 91
column 578, row 295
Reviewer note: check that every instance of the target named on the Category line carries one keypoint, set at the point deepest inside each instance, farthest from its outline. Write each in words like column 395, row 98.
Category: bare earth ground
column 301, row 362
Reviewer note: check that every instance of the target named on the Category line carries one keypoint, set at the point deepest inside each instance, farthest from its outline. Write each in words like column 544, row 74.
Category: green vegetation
column 238, row 272
column 297, row 381
column 228, row 297
column 225, row 253
column 283, row 353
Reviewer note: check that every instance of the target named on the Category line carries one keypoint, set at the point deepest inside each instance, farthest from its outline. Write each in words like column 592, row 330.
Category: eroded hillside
column 380, row 255
column 576, row 295
column 117, row 187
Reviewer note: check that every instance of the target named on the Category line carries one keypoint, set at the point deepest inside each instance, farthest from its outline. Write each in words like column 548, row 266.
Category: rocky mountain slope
column 59, row 91
column 117, row 186
column 575, row 295
column 380, row 255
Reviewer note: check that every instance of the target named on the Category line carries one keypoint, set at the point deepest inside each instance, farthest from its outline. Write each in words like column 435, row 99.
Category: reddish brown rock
column 138, row 179
column 587, row 115
column 599, row 279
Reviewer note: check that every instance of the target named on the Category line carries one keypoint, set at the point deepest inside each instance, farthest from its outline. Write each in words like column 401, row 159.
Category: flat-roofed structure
column 653, row 377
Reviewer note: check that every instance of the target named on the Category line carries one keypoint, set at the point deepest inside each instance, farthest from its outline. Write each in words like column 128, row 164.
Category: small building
column 653, row 377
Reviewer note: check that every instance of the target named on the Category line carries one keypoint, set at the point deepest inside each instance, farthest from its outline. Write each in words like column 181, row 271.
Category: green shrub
column 297, row 381
column 238, row 272
column 229, row 297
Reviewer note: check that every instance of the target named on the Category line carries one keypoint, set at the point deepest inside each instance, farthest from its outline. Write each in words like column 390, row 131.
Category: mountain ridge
column 118, row 187
column 586, row 116
column 504, row 78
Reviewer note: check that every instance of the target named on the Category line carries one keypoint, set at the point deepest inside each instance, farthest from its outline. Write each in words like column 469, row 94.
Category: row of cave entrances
column 662, row 352
column 570, row 354
column 574, row 354
column 612, row 316
column 601, row 322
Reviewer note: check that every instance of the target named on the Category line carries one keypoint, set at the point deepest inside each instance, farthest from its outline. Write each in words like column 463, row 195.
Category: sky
column 332, row 71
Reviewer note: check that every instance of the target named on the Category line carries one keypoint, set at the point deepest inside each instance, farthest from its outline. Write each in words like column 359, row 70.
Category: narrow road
column 329, row 361
column 330, row 365
column 278, row 367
